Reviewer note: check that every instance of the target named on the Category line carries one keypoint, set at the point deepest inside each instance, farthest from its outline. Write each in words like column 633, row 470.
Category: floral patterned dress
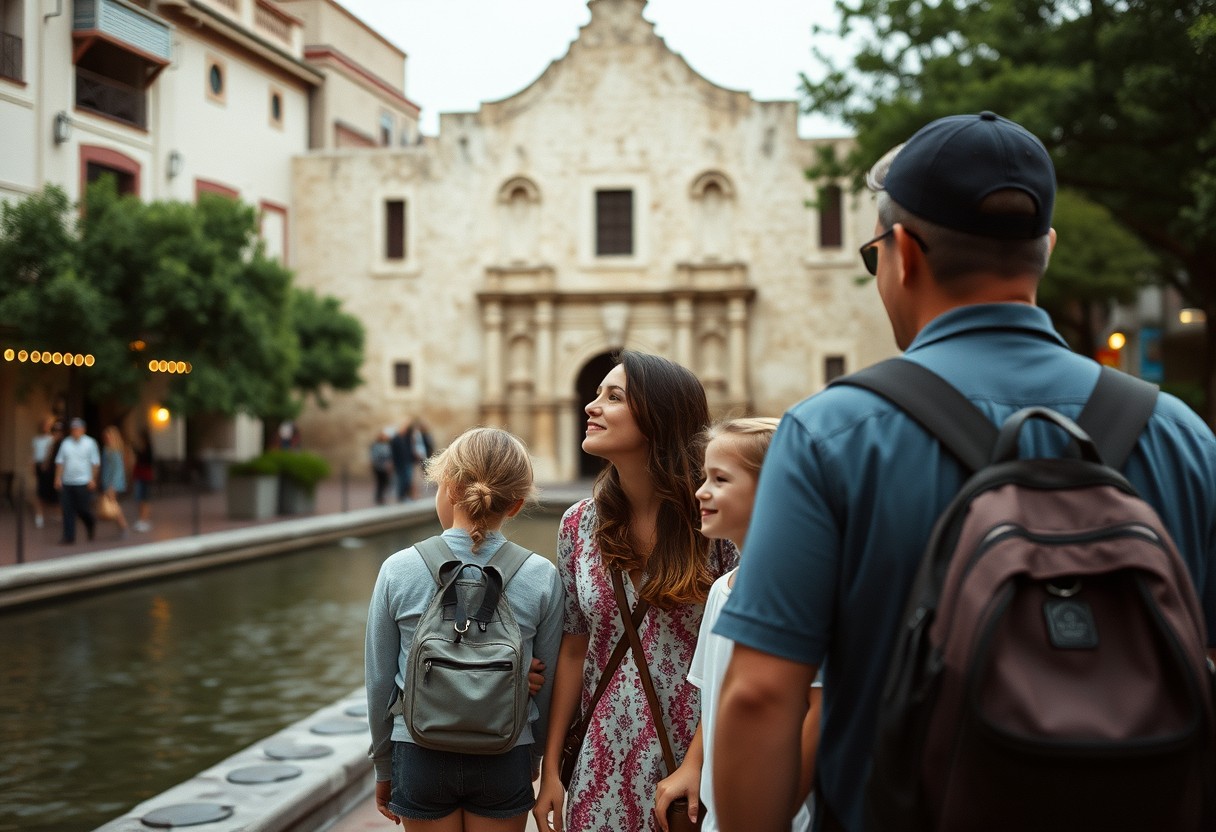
column 621, row 761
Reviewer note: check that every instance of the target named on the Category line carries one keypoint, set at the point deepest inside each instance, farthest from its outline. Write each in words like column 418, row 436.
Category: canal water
column 110, row 699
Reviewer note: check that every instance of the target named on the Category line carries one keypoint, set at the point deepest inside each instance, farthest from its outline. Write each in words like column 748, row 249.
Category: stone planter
column 253, row 497
column 295, row 498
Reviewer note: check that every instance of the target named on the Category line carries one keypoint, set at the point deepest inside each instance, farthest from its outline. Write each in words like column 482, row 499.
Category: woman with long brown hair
column 643, row 520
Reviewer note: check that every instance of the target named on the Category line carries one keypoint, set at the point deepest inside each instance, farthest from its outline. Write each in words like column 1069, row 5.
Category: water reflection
column 108, row 700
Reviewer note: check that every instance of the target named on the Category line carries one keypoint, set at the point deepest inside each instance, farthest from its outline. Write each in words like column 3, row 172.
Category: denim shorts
column 428, row 785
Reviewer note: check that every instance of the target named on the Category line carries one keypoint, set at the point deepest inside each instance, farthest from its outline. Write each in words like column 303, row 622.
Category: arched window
column 519, row 211
column 713, row 198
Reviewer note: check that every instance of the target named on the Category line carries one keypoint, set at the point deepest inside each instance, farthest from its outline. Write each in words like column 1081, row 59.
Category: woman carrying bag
column 641, row 524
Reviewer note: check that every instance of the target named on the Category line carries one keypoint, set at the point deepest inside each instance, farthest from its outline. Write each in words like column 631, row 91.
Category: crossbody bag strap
column 639, row 657
column 614, row 661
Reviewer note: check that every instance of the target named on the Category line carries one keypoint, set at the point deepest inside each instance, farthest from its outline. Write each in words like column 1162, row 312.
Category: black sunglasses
column 869, row 251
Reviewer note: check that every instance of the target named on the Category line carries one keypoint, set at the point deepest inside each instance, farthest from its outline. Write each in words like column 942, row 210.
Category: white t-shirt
column 706, row 671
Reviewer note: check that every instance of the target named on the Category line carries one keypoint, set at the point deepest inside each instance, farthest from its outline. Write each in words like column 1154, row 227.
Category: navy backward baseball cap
column 946, row 170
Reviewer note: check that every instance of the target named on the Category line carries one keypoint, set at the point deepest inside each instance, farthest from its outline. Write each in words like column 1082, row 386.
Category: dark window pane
column 831, row 219
column 833, row 367
column 394, row 229
column 613, row 222
column 124, row 181
column 401, row 374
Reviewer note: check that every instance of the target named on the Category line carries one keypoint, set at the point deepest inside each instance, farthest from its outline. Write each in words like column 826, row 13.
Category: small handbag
column 677, row 810
column 107, row 506
column 577, row 731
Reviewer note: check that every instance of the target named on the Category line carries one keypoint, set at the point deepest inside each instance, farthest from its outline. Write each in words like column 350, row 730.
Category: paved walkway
column 178, row 510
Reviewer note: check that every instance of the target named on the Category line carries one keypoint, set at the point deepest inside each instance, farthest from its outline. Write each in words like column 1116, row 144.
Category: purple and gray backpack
column 1051, row 670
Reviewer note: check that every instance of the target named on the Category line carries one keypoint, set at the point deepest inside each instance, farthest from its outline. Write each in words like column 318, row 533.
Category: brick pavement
column 178, row 510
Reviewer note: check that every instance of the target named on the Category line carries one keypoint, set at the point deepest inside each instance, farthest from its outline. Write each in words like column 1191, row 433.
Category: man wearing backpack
column 845, row 509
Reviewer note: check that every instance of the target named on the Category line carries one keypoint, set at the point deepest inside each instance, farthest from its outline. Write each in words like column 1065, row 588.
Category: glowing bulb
column 161, row 415
column 23, row 356
column 1117, row 340
column 9, row 354
column 89, row 361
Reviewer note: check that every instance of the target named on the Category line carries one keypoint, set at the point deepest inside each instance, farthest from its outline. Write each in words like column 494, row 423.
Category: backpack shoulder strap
column 1116, row 414
column 435, row 553
column 933, row 403
column 508, row 558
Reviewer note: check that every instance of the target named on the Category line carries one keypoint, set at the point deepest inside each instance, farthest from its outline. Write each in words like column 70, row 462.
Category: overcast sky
column 463, row 52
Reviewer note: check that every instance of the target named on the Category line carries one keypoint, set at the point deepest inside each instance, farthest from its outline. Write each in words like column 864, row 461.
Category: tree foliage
column 1096, row 262
column 131, row 281
column 1119, row 91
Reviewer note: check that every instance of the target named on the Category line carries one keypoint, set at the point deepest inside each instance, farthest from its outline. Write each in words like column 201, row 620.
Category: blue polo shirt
column 850, row 490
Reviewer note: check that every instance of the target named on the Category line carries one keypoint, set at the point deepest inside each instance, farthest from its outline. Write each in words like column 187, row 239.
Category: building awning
column 124, row 26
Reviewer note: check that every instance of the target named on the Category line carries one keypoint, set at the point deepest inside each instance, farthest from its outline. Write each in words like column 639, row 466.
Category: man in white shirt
column 76, row 468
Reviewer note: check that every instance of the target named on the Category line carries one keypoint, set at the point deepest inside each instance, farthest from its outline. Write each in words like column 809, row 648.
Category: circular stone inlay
column 186, row 814
column 339, row 726
column 289, row 750
column 269, row 773
column 357, row 710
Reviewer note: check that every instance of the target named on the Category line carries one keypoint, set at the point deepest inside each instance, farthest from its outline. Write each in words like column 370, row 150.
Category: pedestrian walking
column 43, row 448
column 143, row 472
column 381, row 454
column 77, row 464
column 113, row 478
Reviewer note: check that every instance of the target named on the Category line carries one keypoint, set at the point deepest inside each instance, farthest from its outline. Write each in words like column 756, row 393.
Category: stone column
column 567, row 458
column 683, row 318
column 493, row 405
column 736, row 384
column 544, row 428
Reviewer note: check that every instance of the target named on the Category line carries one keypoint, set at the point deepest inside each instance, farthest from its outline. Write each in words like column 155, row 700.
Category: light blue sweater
column 404, row 590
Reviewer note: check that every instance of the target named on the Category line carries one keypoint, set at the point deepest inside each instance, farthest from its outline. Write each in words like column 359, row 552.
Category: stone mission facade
column 619, row 201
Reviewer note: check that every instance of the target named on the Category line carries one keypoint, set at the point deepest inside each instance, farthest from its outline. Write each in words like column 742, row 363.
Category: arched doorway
column 589, row 379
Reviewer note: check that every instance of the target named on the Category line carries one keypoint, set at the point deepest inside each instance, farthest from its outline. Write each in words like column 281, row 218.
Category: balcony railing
column 107, row 97
column 10, row 57
column 125, row 23
column 269, row 21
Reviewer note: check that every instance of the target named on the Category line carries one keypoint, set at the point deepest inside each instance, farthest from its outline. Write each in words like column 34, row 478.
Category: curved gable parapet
column 615, row 26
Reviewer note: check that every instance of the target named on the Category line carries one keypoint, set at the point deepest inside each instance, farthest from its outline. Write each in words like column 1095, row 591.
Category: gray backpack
column 466, row 688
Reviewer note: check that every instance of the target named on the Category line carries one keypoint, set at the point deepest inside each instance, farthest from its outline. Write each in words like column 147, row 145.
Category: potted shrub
column 253, row 489
column 299, row 473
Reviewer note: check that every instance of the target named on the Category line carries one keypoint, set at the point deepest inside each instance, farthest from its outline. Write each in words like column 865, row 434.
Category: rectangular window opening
column 613, row 222
column 833, row 368
column 394, row 229
column 831, row 217
column 401, row 374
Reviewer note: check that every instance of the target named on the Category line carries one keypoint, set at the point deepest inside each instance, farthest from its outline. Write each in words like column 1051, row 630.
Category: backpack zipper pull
column 426, row 670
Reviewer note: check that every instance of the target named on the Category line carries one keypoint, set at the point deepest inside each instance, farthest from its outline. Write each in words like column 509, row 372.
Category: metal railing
column 11, row 56
column 108, row 97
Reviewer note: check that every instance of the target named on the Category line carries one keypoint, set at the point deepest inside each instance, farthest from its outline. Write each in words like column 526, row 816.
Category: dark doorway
column 588, row 380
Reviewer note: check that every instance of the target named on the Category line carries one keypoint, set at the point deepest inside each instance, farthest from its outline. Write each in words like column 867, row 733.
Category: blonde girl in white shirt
column 734, row 452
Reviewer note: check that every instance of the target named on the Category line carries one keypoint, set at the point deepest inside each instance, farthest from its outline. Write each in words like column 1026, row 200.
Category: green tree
column 132, row 281
column 1096, row 263
column 331, row 345
column 1119, row 91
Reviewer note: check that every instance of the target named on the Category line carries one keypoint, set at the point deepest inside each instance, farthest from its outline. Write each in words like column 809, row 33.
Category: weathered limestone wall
column 501, row 301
